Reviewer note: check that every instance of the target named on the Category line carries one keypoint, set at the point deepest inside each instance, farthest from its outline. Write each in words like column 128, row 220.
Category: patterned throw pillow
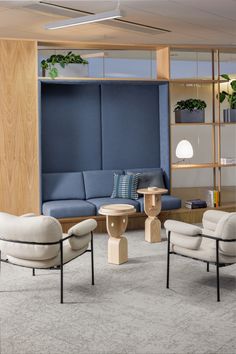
column 125, row 186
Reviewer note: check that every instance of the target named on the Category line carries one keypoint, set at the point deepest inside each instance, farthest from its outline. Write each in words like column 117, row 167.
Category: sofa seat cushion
column 99, row 183
column 68, row 208
column 206, row 252
column 98, row 202
column 168, row 202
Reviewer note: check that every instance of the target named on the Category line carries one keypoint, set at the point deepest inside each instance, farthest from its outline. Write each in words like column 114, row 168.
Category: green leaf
column 233, row 85
column 53, row 73
column 222, row 96
column 225, row 76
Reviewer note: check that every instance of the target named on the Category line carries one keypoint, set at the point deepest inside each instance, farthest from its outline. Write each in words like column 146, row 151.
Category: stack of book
column 213, row 198
column 228, row 160
column 195, row 204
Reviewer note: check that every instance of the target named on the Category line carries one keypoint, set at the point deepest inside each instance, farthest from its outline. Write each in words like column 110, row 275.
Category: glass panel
column 133, row 64
column 228, row 63
column 186, row 91
column 190, row 64
column 111, row 64
column 228, row 188
column 200, row 138
column 228, row 143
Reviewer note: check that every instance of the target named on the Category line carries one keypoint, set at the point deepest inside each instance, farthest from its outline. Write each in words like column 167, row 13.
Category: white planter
column 71, row 70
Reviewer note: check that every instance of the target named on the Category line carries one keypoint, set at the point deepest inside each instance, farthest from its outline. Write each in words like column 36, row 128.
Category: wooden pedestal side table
column 152, row 207
column 116, row 223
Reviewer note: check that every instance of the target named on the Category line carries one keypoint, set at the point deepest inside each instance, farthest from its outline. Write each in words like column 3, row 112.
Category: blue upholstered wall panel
column 71, row 129
column 164, row 132
column 130, row 125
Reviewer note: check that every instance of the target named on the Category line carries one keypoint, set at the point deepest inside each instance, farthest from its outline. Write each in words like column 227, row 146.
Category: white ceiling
column 211, row 22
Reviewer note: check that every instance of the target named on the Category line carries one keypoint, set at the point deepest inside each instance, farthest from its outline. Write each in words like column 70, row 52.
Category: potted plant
column 229, row 113
column 52, row 65
column 191, row 110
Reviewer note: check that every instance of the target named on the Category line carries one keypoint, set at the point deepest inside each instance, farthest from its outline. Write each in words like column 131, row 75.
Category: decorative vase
column 229, row 115
column 186, row 116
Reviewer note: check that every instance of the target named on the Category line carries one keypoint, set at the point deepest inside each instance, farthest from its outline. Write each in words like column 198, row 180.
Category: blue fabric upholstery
column 98, row 202
column 168, row 202
column 164, row 133
column 99, row 183
column 149, row 177
column 71, row 126
column 68, row 185
column 130, row 125
column 68, row 208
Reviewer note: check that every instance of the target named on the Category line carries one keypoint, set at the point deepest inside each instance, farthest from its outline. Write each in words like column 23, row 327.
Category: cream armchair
column 37, row 242
column 215, row 243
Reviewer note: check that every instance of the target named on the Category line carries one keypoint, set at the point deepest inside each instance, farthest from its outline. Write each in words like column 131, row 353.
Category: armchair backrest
column 30, row 229
column 226, row 229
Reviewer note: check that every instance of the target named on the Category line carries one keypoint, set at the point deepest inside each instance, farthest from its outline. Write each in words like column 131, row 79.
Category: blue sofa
column 80, row 194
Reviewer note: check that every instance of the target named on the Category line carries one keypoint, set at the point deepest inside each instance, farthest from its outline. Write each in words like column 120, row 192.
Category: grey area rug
column 129, row 310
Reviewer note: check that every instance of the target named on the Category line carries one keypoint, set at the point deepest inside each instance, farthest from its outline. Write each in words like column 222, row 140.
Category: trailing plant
column 62, row 60
column 192, row 104
column 231, row 97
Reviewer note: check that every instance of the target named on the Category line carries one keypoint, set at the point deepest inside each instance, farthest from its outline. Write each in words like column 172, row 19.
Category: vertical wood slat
column 163, row 63
column 19, row 152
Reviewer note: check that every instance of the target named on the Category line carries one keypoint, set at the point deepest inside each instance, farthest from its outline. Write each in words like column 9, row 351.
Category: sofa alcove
column 89, row 130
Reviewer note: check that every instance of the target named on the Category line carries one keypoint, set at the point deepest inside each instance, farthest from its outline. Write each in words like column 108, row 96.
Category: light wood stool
column 152, row 207
column 116, row 223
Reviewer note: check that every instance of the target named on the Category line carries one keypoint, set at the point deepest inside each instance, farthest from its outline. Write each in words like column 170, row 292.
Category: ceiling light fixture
column 102, row 16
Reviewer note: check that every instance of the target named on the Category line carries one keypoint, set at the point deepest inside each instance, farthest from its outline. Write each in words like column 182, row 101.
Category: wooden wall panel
column 19, row 155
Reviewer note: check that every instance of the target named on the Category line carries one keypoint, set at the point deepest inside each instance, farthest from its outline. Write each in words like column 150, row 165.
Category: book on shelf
column 228, row 160
column 213, row 198
column 195, row 204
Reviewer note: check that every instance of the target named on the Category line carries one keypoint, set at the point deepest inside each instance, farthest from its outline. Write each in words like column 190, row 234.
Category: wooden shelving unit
column 214, row 121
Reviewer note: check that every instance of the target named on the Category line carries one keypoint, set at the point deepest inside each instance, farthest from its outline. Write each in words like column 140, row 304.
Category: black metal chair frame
column 217, row 263
column 60, row 242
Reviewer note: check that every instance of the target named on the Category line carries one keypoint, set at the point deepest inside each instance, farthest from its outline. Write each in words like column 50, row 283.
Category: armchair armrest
column 83, row 228
column 182, row 228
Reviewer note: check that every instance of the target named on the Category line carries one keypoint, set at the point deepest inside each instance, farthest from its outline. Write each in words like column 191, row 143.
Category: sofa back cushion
column 99, row 183
column 226, row 229
column 149, row 177
column 30, row 229
column 65, row 185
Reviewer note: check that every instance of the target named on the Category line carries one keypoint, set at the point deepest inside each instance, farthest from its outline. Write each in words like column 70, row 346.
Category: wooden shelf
column 196, row 81
column 47, row 78
column 227, row 165
column 179, row 166
column 180, row 124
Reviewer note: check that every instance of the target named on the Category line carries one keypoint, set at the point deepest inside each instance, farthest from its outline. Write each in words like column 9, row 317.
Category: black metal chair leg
column 207, row 266
column 217, row 270
column 61, row 271
column 33, row 272
column 92, row 261
column 168, row 260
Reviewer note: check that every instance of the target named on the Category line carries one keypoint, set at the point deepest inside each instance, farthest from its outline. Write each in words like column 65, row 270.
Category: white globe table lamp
column 184, row 150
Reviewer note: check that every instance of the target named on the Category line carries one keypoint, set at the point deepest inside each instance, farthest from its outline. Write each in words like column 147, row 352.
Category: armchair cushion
column 211, row 218
column 226, row 229
column 30, row 229
column 182, row 228
column 81, row 231
column 183, row 234
column 68, row 255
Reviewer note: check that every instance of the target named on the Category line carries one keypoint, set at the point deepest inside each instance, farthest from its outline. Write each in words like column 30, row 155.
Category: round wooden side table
column 152, row 207
column 116, row 223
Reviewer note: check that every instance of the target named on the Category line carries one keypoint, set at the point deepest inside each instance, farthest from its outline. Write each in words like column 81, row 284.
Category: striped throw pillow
column 125, row 186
